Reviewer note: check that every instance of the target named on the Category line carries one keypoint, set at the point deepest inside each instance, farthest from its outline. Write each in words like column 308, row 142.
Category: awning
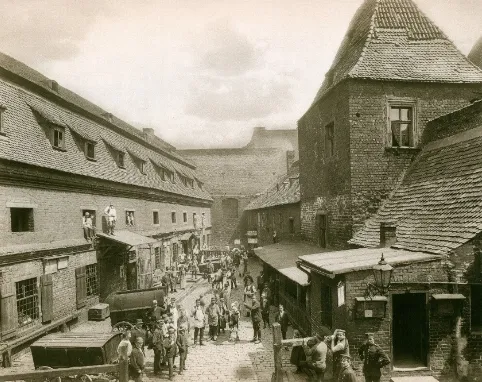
column 128, row 238
column 353, row 260
column 448, row 296
column 186, row 236
column 295, row 274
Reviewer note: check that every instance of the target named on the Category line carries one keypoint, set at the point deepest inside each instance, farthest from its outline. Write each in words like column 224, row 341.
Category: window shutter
column 47, row 298
column 8, row 311
column 81, row 287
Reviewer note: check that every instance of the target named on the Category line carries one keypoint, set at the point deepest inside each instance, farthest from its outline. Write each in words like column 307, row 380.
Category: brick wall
column 362, row 172
column 63, row 285
column 282, row 227
column 453, row 123
column 57, row 215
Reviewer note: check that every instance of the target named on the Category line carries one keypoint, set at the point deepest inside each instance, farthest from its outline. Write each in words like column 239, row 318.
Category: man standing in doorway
column 373, row 357
column 111, row 214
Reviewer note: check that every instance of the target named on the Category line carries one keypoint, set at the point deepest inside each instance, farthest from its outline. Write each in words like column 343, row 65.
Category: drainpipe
column 300, row 267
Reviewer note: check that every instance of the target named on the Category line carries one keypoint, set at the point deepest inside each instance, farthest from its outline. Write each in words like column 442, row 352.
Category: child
column 234, row 322
column 182, row 345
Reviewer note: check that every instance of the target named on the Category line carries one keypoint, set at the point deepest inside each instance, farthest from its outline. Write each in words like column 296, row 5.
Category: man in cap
column 256, row 319
column 182, row 345
column 111, row 214
column 170, row 350
column 157, row 345
column 139, row 332
column 315, row 350
column 346, row 372
column 213, row 312
column 373, row 357
column 136, row 361
column 156, row 311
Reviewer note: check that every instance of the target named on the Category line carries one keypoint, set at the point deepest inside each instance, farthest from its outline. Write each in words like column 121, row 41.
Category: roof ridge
column 368, row 39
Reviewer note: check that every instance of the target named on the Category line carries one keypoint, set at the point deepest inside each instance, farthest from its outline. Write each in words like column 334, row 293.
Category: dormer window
column 121, row 159
column 2, row 121
column 58, row 137
column 142, row 166
column 89, row 150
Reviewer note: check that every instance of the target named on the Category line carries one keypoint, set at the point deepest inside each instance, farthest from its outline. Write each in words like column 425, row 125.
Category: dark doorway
column 322, row 230
column 410, row 337
column 131, row 276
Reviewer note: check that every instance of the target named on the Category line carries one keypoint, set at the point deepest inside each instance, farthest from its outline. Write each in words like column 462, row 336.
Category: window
column 58, row 137
column 476, row 307
column 121, row 159
column 21, row 219
column 173, row 217
column 401, row 126
column 91, row 280
column 130, row 217
column 291, row 289
column 155, row 217
column 329, row 140
column 2, row 120
column 194, row 220
column 142, row 165
column 27, row 301
column 90, row 150
column 184, row 217
column 91, row 216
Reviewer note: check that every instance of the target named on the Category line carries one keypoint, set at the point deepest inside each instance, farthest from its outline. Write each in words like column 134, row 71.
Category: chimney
column 388, row 234
column 54, row 85
column 108, row 116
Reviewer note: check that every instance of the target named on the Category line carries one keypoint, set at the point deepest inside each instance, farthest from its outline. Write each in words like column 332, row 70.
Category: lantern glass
column 383, row 274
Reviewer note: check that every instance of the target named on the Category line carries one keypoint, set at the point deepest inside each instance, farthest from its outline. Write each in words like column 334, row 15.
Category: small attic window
column 57, row 138
column 89, row 150
column 2, row 121
column 121, row 159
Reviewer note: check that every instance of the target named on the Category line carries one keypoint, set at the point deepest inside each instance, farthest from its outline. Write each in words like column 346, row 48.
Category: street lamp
column 383, row 275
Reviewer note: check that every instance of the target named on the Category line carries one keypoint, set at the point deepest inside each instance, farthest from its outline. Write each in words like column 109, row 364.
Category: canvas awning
column 128, row 238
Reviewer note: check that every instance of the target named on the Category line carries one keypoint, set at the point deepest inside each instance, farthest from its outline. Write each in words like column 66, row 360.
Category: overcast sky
column 202, row 73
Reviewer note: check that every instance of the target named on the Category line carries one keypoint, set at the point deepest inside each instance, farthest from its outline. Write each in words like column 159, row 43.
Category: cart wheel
column 122, row 326
column 57, row 379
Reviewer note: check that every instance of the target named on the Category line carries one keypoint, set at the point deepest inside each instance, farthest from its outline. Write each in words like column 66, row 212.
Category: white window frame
column 58, row 129
column 401, row 102
column 86, row 149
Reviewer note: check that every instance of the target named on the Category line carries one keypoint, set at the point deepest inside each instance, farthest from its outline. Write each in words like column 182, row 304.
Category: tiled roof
column 285, row 191
column 340, row 262
column 394, row 40
column 11, row 65
column 26, row 120
column 438, row 205
column 285, row 254
column 475, row 54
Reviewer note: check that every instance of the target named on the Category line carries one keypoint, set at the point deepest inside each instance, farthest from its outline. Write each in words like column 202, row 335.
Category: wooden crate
column 99, row 312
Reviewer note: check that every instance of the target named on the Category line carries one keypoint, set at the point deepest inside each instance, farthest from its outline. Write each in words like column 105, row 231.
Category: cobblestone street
column 220, row 361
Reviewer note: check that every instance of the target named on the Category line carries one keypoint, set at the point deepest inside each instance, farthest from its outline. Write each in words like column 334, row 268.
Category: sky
column 202, row 73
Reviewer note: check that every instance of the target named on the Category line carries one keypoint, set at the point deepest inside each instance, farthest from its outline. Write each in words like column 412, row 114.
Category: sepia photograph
column 241, row 190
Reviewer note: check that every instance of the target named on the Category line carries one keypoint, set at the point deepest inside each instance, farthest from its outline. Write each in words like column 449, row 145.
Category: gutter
column 300, row 267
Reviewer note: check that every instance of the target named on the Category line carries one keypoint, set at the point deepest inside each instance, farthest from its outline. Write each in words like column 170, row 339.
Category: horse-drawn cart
column 129, row 306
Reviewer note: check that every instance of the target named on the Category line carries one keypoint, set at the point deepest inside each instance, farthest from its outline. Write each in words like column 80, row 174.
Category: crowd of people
column 169, row 325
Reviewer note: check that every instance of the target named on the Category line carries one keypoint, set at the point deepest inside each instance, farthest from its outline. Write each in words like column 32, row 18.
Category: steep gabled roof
column 475, row 54
column 285, row 191
column 394, row 40
column 438, row 205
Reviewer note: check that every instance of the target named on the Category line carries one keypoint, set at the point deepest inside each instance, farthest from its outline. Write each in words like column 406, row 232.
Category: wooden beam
column 55, row 373
column 295, row 341
column 278, row 365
